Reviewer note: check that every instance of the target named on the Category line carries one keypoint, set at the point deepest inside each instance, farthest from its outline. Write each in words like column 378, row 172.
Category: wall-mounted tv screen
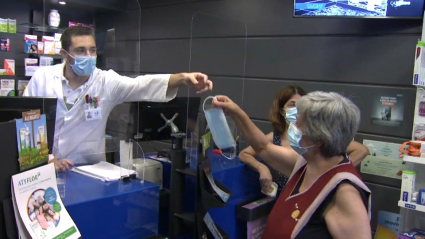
column 359, row 8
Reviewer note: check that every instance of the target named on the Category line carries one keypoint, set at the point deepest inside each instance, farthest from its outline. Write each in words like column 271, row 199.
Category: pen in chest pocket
column 87, row 100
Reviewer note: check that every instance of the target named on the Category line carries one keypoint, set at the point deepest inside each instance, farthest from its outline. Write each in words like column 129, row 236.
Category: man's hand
column 195, row 80
column 229, row 107
column 61, row 165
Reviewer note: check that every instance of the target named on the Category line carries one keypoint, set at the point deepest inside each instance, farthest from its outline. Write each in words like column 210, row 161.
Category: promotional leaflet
column 384, row 159
column 31, row 134
column 388, row 110
column 222, row 194
column 388, row 224
column 211, row 226
column 39, row 210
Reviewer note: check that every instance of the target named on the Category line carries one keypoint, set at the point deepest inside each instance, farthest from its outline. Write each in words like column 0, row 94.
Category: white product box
column 7, row 87
column 49, row 45
column 58, row 43
column 31, row 65
column 7, row 84
column 419, row 67
column 46, row 61
column 153, row 170
column 407, row 185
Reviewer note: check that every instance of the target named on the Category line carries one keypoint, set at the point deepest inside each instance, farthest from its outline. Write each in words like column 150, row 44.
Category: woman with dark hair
column 282, row 113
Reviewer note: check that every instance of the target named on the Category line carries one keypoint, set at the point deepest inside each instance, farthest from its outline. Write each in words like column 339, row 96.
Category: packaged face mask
column 272, row 191
column 220, row 130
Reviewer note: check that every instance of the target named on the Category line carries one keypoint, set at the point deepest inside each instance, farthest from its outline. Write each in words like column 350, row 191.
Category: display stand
column 206, row 198
column 9, row 166
column 411, row 214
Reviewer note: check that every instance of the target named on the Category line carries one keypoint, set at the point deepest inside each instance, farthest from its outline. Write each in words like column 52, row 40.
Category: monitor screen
column 144, row 119
column 12, row 107
column 359, row 8
column 150, row 119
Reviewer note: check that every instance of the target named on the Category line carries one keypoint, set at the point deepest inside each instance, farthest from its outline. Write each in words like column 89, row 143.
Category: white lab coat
column 83, row 141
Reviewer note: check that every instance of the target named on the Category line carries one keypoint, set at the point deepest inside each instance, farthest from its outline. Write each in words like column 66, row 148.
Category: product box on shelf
column 49, row 45
column 58, row 43
column 7, row 84
column 407, row 185
column 11, row 25
column 3, row 25
column 31, row 65
column 31, row 44
column 73, row 24
column 7, row 87
column 419, row 67
column 22, row 84
column 40, row 47
column 412, row 234
column 9, row 66
column 46, row 61
column 421, row 197
column 4, row 44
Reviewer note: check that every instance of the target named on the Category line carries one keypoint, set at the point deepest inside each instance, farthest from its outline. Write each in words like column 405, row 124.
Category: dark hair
column 278, row 121
column 67, row 35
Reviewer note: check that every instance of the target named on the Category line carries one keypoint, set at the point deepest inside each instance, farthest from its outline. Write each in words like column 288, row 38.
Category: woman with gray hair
column 324, row 197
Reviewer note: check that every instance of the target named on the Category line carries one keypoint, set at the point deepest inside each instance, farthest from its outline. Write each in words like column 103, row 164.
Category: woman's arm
column 280, row 158
column 249, row 157
column 357, row 152
column 346, row 217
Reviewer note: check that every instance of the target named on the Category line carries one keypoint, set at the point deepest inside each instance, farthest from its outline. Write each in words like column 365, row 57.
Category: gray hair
column 329, row 118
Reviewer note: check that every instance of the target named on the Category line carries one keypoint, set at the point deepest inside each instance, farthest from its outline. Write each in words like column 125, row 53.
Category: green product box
column 3, row 25
column 11, row 25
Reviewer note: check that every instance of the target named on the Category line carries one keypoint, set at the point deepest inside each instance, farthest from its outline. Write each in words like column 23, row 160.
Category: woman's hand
column 265, row 178
column 229, row 107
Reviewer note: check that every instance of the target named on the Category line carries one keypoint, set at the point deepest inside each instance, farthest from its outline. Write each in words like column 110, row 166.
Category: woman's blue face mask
column 291, row 115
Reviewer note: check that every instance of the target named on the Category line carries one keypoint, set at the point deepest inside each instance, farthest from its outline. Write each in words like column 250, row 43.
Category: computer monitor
column 150, row 119
column 12, row 107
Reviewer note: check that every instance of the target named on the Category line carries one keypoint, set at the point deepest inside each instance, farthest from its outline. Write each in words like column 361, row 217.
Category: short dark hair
column 66, row 38
column 278, row 121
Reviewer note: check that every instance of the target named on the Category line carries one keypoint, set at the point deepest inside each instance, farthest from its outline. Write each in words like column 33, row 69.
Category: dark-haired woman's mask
column 291, row 115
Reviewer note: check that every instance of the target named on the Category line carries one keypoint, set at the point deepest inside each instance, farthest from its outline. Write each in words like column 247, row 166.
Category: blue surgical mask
column 220, row 130
column 291, row 115
column 83, row 65
column 294, row 137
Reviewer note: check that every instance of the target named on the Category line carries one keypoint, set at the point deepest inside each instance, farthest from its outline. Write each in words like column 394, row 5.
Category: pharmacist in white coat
column 80, row 126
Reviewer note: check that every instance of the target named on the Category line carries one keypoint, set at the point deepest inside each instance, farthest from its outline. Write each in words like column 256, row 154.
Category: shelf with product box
column 412, row 192
column 42, row 28
column 41, row 53
column 46, row 55
column 411, row 159
column 411, row 206
column 8, row 26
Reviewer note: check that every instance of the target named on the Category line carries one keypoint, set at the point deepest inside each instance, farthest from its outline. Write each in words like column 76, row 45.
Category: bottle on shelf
column 54, row 18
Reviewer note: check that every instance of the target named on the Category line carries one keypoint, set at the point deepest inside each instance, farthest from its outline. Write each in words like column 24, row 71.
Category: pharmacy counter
column 237, row 177
column 112, row 209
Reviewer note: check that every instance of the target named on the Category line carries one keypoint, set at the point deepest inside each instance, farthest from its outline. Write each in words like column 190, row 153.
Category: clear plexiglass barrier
column 218, row 48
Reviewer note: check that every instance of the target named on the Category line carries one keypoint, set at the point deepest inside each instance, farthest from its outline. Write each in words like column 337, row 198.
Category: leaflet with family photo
column 39, row 211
